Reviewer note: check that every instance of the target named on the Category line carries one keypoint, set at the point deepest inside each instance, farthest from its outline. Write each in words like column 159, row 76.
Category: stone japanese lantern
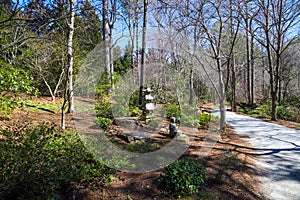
column 148, row 105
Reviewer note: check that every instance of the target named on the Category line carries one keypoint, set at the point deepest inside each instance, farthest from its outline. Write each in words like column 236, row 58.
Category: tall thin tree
column 144, row 43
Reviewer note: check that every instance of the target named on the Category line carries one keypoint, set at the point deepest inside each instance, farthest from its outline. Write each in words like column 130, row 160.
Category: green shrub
column 103, row 108
column 182, row 177
column 286, row 112
column 266, row 109
column 6, row 107
column 189, row 120
column 134, row 99
column 189, row 115
column 103, row 87
column 172, row 110
column 204, row 119
column 103, row 122
column 134, row 111
column 41, row 163
column 293, row 100
column 15, row 79
column 248, row 107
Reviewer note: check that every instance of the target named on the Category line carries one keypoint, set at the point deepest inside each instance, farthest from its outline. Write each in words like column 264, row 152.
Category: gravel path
column 278, row 160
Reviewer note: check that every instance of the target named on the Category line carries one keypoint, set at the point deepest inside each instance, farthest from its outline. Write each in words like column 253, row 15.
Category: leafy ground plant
column 41, row 163
column 103, row 122
column 6, row 107
column 172, row 110
column 103, row 108
column 182, row 178
column 204, row 120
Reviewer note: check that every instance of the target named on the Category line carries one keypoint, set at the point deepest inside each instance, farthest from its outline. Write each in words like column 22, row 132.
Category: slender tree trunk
column 136, row 21
column 63, row 115
column 106, row 40
column 279, row 91
column 248, row 67
column 272, row 76
column 191, row 78
column 232, row 63
column 71, row 57
column 132, row 38
column 143, row 59
column 252, row 98
column 233, row 85
column 222, row 99
column 112, row 22
column 111, row 57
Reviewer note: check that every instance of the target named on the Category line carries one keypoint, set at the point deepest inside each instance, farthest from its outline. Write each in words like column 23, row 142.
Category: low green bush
column 103, row 122
column 182, row 177
column 204, row 119
column 41, row 163
column 134, row 99
column 287, row 112
column 248, row 107
column 189, row 115
column 256, row 110
column 15, row 79
column 103, row 108
column 172, row 110
column 188, row 120
column 265, row 110
column 6, row 107
column 134, row 111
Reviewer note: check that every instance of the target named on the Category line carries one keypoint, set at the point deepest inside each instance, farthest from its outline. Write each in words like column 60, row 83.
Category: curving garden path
column 278, row 157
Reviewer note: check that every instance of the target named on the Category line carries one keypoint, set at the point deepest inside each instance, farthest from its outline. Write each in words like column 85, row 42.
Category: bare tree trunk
column 191, row 99
column 112, row 22
column 63, row 115
column 143, row 59
column 279, row 91
column 271, row 70
column 71, row 57
column 136, row 21
column 106, row 40
column 233, row 85
column 232, row 63
column 222, row 99
column 111, row 57
column 248, row 57
column 132, row 38
column 252, row 98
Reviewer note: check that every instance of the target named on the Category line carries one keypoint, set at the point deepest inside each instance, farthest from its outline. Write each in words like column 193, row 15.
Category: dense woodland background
column 235, row 51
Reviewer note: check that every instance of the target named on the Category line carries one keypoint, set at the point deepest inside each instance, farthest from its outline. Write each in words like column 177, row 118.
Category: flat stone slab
column 134, row 136
column 128, row 122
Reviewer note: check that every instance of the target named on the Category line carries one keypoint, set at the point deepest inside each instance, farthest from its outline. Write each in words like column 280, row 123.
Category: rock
column 134, row 136
column 128, row 122
column 164, row 130
column 183, row 138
